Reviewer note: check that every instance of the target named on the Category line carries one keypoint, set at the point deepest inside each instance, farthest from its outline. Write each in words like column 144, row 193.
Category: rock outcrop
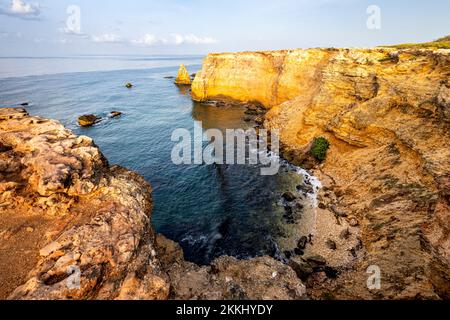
column 88, row 120
column 183, row 77
column 386, row 113
column 72, row 227
column 88, row 218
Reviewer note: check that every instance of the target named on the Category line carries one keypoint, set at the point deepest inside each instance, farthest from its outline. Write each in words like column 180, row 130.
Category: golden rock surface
column 183, row 76
column 386, row 113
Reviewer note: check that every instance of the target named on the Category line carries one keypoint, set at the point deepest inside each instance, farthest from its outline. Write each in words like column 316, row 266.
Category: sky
column 179, row 27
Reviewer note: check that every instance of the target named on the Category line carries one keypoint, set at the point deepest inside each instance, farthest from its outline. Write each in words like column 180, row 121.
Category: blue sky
column 40, row 27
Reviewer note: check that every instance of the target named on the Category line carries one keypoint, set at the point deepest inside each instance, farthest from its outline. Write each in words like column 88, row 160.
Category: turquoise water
column 210, row 210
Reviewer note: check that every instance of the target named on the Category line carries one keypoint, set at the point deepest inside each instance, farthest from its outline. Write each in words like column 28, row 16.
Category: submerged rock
column 183, row 77
column 88, row 120
column 289, row 196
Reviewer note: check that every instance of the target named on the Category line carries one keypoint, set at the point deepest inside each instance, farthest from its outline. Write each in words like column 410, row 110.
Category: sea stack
column 183, row 77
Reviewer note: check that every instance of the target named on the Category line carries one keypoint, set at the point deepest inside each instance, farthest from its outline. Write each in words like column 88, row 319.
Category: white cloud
column 192, row 39
column 147, row 40
column 175, row 39
column 71, row 32
column 107, row 38
column 22, row 9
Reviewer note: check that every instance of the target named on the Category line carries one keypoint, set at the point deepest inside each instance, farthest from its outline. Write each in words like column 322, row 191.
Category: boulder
column 115, row 114
column 88, row 120
column 289, row 196
column 301, row 267
column 302, row 243
column 128, row 85
column 317, row 261
column 183, row 77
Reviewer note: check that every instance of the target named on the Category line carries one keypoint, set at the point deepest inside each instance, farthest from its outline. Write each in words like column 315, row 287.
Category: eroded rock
column 92, row 236
column 183, row 77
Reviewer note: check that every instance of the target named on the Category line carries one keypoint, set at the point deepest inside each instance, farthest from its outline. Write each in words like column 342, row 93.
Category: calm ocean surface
column 210, row 210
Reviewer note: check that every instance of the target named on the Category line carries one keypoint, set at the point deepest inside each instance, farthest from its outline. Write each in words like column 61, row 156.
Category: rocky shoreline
column 65, row 213
column 384, row 201
column 385, row 180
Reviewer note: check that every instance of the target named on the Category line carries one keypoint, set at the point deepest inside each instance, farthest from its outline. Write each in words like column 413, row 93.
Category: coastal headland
column 384, row 201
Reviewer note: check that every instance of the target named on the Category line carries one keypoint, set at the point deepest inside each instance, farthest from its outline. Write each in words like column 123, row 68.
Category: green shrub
column 320, row 148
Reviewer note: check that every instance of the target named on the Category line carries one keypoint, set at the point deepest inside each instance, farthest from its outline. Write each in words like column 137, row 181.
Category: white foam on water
column 309, row 179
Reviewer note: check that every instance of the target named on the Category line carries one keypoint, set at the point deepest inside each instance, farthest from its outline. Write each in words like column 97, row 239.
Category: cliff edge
column 386, row 113
column 74, row 227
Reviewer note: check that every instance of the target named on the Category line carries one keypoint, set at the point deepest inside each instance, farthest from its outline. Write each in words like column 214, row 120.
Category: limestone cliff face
column 386, row 114
column 72, row 227
column 270, row 78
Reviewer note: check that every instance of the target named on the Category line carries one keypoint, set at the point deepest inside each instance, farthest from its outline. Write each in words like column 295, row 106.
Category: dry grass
column 442, row 43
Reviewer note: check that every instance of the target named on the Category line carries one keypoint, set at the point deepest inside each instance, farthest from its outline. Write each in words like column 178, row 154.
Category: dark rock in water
column 288, row 215
column 331, row 245
column 115, row 114
column 88, row 120
column 128, row 85
column 302, row 268
column 305, row 188
column 302, row 243
column 289, row 196
column 298, row 207
column 288, row 210
column 317, row 261
column 24, row 104
column 288, row 254
column 224, row 227
column 169, row 77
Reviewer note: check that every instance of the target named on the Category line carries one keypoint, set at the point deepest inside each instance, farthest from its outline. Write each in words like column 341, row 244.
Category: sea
column 210, row 210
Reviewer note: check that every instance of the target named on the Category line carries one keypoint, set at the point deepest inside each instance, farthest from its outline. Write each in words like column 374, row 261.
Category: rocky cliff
column 73, row 227
column 386, row 113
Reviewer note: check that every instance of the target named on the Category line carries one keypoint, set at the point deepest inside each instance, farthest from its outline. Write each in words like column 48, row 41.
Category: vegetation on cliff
column 442, row 43
column 385, row 112
column 320, row 148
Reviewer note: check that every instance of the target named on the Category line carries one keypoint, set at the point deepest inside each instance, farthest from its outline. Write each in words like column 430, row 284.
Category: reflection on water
column 222, row 118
